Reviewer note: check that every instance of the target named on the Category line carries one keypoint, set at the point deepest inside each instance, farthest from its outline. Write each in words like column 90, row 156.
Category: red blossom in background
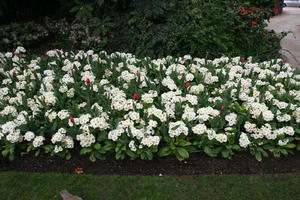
column 43, row 57
column 275, row 11
column 72, row 119
column 253, row 22
column 88, row 81
column 136, row 96
column 222, row 107
column 187, row 84
column 282, row 62
column 243, row 59
column 242, row 11
column 14, row 74
column 255, row 9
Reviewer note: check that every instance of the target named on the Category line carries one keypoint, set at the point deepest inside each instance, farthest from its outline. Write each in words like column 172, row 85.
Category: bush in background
column 158, row 28
column 201, row 28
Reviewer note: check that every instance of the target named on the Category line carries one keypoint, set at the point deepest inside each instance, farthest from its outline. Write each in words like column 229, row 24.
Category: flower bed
column 117, row 104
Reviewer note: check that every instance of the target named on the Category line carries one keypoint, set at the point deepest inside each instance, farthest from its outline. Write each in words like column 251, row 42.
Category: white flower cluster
column 177, row 128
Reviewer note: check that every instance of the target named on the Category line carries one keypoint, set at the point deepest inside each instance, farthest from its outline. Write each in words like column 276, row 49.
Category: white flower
column 244, row 140
column 231, row 119
column 221, row 138
column 29, row 136
column 86, row 139
column 199, row 129
column 177, row 128
column 38, row 141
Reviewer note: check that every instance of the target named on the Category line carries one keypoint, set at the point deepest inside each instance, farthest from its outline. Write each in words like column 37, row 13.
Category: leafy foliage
column 158, row 28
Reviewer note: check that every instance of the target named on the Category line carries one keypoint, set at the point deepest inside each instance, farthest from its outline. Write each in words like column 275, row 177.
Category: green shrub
column 158, row 28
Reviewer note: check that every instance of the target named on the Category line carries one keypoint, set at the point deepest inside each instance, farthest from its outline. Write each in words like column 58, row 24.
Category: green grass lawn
column 26, row 186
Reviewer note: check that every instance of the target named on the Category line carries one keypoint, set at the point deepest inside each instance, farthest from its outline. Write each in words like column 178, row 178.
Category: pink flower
column 222, row 107
column 187, row 84
column 243, row 59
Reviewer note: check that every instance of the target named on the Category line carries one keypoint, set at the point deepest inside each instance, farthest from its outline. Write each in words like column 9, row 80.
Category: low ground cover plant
column 105, row 104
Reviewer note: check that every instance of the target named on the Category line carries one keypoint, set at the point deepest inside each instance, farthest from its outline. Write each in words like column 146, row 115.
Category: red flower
column 87, row 81
column 242, row 11
column 222, row 107
column 243, row 59
column 275, row 11
column 255, row 9
column 187, row 84
column 14, row 74
column 136, row 96
column 247, row 12
column 43, row 57
column 137, row 74
column 282, row 62
column 72, row 119
column 253, row 22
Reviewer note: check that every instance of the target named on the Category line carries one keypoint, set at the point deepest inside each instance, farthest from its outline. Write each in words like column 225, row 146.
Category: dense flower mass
column 118, row 104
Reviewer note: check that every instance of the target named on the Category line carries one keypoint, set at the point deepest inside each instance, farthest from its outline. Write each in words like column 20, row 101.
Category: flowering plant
column 117, row 104
column 21, row 34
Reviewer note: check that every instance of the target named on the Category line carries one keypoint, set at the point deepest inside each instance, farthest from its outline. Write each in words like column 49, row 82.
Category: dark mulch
column 241, row 163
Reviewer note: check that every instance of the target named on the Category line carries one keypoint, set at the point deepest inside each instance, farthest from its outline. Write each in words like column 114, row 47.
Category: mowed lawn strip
column 27, row 186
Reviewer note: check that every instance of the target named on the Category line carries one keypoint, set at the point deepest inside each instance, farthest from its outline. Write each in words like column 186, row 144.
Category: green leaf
column 183, row 143
column 225, row 153
column 85, row 151
column 5, row 152
column 298, row 147
column 92, row 158
column 258, row 156
column 149, row 154
column 108, row 147
column 175, row 127
column 290, row 146
column 284, row 152
column 68, row 156
column 183, row 152
column 130, row 153
column 165, row 151
column 97, row 146
column 37, row 153
column 11, row 157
